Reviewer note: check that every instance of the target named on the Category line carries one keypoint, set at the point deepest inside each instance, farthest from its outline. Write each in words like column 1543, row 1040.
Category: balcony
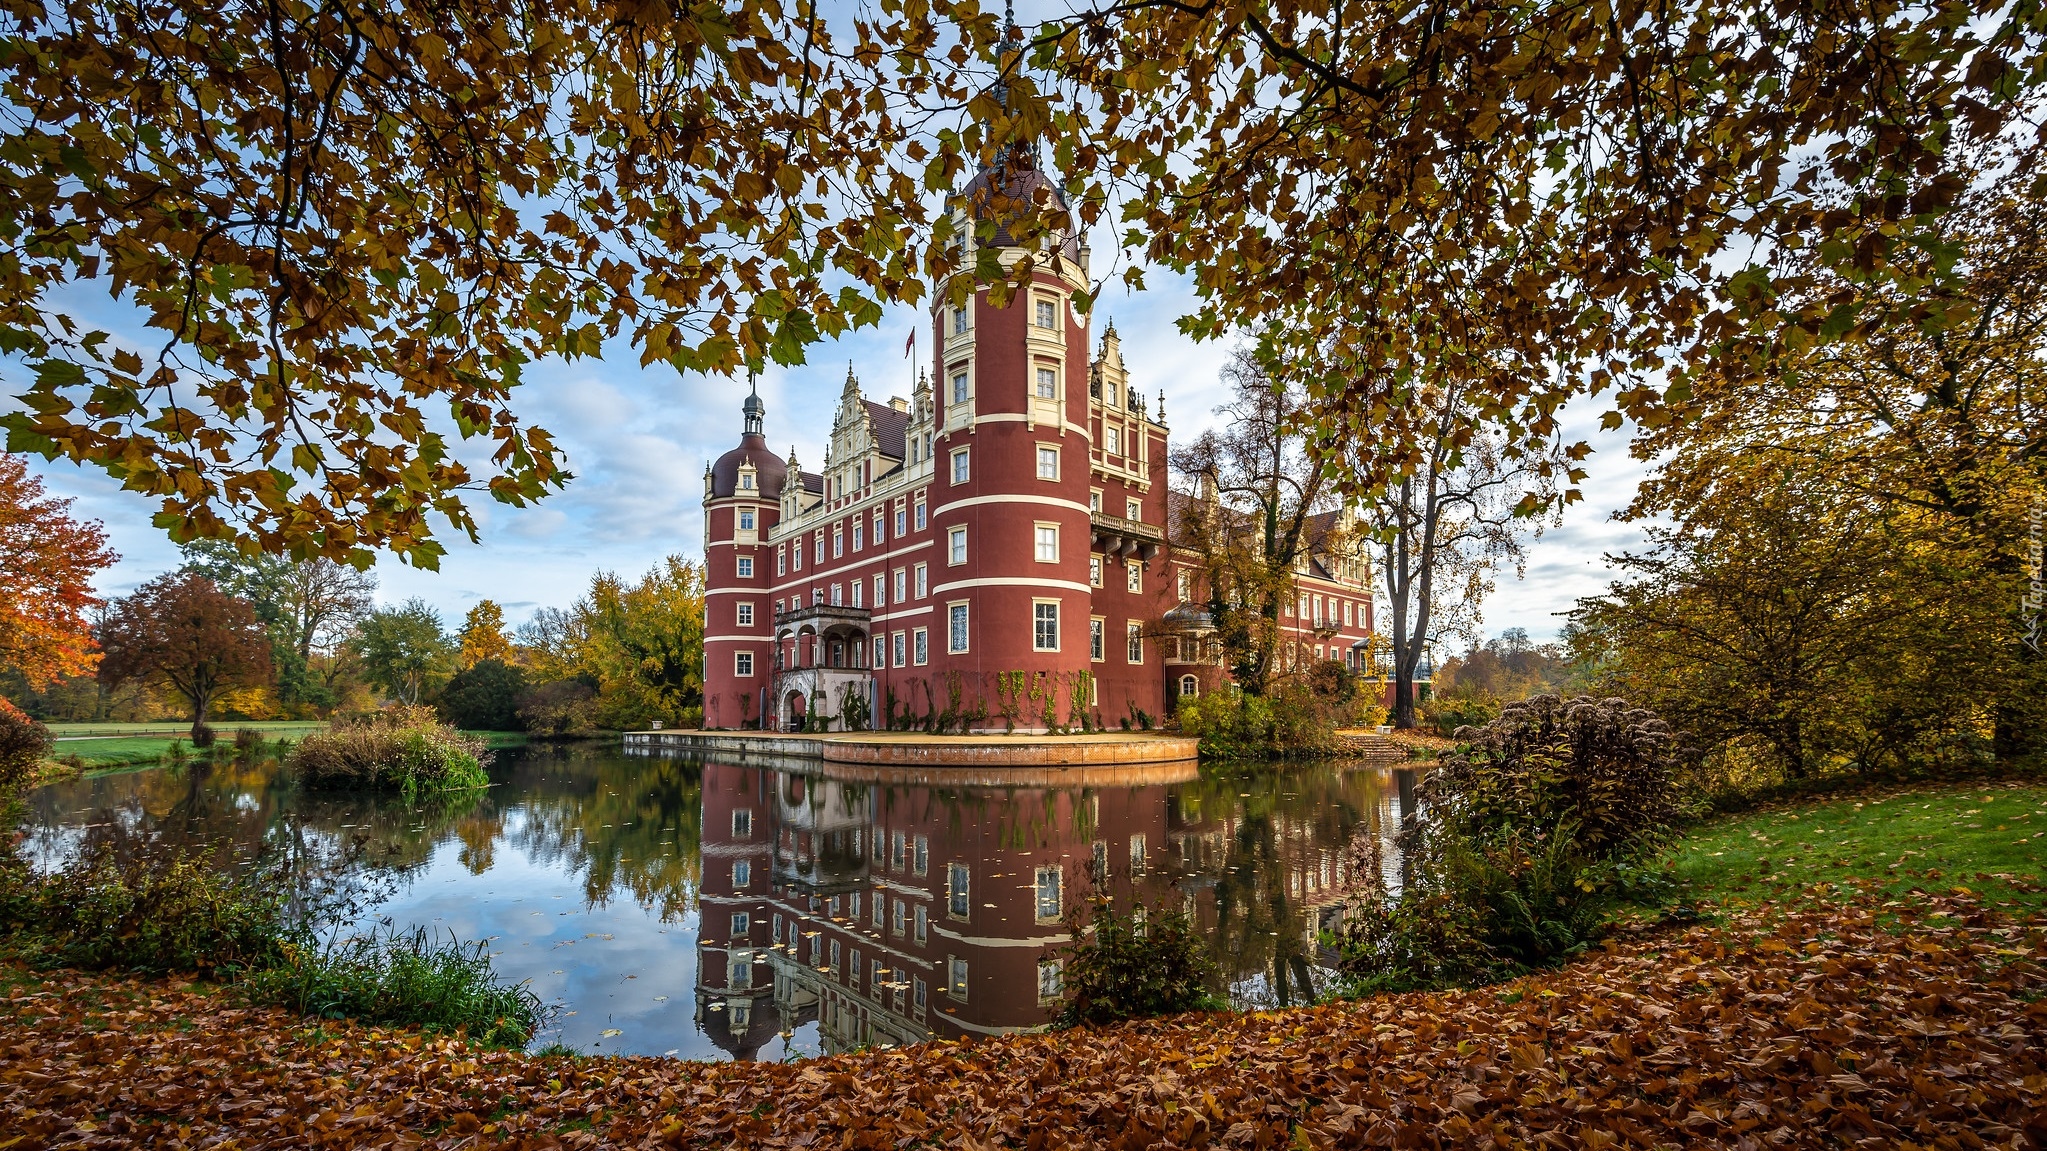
column 819, row 618
column 1117, row 537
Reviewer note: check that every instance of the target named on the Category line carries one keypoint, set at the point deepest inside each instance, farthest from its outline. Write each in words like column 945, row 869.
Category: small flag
column 910, row 344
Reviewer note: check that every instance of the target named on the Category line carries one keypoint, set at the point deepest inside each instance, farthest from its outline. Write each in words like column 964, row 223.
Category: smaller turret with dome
column 729, row 475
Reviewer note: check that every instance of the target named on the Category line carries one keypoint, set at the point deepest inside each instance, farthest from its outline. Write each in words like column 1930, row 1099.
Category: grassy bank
column 1986, row 838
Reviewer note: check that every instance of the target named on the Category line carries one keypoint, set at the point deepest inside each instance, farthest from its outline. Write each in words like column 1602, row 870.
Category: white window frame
column 920, row 513
column 1042, row 534
column 1047, row 377
column 959, row 639
column 896, row 649
column 1094, row 570
column 1038, row 619
column 956, row 545
column 923, row 580
column 744, row 613
column 1133, row 576
column 742, row 664
column 920, row 646
column 902, row 585
column 1097, row 643
column 1045, row 310
column 1048, row 453
column 744, row 567
column 960, row 468
column 1133, row 642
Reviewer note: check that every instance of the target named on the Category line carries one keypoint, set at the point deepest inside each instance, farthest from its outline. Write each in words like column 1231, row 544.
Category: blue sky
column 637, row 440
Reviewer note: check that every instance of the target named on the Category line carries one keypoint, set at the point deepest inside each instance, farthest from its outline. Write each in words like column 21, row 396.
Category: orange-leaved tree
column 47, row 561
column 181, row 628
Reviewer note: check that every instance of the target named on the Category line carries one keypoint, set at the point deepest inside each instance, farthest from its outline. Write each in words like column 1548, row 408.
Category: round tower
column 742, row 494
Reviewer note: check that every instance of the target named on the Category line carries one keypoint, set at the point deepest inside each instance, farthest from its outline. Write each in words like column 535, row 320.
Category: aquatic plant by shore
column 403, row 749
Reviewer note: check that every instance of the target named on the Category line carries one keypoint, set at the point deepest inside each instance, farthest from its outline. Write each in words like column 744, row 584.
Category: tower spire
column 753, row 409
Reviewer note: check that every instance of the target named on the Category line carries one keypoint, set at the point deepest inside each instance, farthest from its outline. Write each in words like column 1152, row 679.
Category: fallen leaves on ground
column 1804, row 1028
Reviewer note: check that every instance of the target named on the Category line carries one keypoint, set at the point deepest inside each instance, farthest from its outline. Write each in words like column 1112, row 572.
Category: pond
column 666, row 904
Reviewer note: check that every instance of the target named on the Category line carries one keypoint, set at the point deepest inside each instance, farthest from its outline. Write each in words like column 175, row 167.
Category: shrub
column 136, row 913
column 23, row 743
column 202, row 736
column 1445, row 714
column 1131, row 966
column 410, row 979
column 404, row 749
column 558, row 707
column 485, row 697
column 1524, row 842
column 1288, row 722
column 248, row 741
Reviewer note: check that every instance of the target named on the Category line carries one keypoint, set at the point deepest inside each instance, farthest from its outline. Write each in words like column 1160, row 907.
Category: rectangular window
column 1094, row 502
column 740, row 973
column 838, row 542
column 880, row 651
column 898, row 851
column 782, row 559
column 1133, row 509
column 819, row 540
column 880, row 591
column 742, row 825
column 741, row 924
column 1045, row 626
column 746, row 519
column 959, row 321
column 900, row 919
column 1098, row 860
column 880, row 904
column 838, row 595
column 742, row 873
column 956, row 896
column 1048, row 384
column 1048, row 463
column 1137, row 854
column 796, row 555
column 919, row 924
column 922, row 996
column 1094, row 638
column 1186, row 588
column 960, row 468
column 1346, row 613
column 853, row 967
column 899, row 523
column 742, row 663
column 1050, row 904
column 745, row 567
column 956, row 977
column 896, row 642
column 874, row 969
column 920, row 856
column 1048, row 543
column 959, row 387
column 878, row 536
column 1050, row 985
column 1133, row 576
column 835, row 957
column 1134, row 644
column 1094, row 570
column 902, row 586
column 920, row 515
column 1112, row 441
column 923, row 581
column 746, row 615
column 859, row 534
column 956, row 629
column 920, row 646
column 956, row 546
column 1048, row 314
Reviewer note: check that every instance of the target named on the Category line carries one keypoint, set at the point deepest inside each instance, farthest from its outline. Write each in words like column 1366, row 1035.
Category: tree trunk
column 1403, row 695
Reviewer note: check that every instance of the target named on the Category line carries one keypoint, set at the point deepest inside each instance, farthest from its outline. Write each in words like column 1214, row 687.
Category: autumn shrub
column 1444, row 714
column 1524, row 841
column 410, row 979
column 1130, row 966
column 404, row 749
column 248, row 741
column 202, row 736
column 1289, row 722
column 23, row 743
column 142, row 913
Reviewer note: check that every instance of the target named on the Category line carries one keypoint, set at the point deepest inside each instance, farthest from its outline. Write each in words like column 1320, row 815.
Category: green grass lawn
column 1988, row 838
column 172, row 729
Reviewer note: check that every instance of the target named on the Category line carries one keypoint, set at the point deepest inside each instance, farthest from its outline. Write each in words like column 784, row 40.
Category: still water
column 663, row 904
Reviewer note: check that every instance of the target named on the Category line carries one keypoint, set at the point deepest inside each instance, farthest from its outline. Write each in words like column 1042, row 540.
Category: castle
column 998, row 550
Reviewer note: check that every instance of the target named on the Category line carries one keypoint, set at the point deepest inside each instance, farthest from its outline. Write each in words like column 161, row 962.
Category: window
column 741, row 924
column 746, row 615
column 920, row 514
column 920, row 646
column 880, row 904
column 959, row 387
column 1108, row 393
column 853, row 966
column 959, row 321
column 820, row 547
column 956, row 629
column 745, row 567
column 960, row 469
column 880, row 651
column 1094, row 570
column 777, row 933
column 920, row 856
column 880, row 591
column 796, row 556
column 838, row 542
column 918, row 924
column 838, row 595
column 956, row 545
column 742, row 873
column 1137, row 854
column 902, row 587
column 921, row 997
column 1049, row 985
column 1098, row 860
column 1133, row 510
column 742, row 825
column 1189, row 687
column 1134, row 644
column 1050, row 902
column 899, row 919
column 1045, row 626
column 899, row 523
column 1094, row 502
column 874, row 969
column 739, row 972
column 742, row 663
column 782, row 559
column 896, row 643
column 746, row 519
column 859, row 534
column 1094, row 638
column 835, row 956
column 1048, row 543
column 1133, row 576
column 1112, row 441
column 956, row 880
column 956, row 977
column 1186, row 588
column 746, row 479
column 898, row 851
column 878, row 536
column 923, row 582
column 1048, row 384
column 1048, row 314
column 1048, row 463
column 1346, row 613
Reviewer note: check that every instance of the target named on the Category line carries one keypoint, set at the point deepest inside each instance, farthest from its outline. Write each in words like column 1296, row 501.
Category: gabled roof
column 889, row 428
column 813, row 483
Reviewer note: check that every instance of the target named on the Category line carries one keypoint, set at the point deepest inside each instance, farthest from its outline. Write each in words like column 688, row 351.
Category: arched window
column 1189, row 686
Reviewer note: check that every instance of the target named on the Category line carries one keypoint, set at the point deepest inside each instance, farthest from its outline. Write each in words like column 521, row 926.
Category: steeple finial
column 753, row 409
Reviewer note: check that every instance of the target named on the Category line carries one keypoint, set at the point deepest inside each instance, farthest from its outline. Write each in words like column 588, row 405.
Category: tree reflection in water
column 708, row 908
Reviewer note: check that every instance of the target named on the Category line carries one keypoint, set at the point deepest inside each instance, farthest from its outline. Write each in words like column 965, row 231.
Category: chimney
column 899, row 403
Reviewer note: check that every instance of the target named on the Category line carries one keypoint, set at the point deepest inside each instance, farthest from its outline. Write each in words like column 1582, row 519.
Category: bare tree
column 1442, row 526
column 1262, row 508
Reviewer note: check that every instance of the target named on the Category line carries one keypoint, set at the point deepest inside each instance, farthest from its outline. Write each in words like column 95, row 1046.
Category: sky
column 637, row 441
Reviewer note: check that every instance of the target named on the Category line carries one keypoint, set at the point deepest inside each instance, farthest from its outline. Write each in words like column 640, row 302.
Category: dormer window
column 1108, row 393
column 746, row 479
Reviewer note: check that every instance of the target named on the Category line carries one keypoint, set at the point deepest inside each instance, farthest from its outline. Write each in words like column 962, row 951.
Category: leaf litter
column 1862, row 1025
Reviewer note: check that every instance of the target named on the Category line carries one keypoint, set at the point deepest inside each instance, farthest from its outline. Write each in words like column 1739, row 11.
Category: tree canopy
column 181, row 628
column 47, row 561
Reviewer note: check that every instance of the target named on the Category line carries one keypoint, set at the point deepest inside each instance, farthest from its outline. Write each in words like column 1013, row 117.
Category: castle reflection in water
column 890, row 911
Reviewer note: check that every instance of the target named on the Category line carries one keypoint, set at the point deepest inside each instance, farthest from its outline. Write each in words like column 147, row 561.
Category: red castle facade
column 1000, row 537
